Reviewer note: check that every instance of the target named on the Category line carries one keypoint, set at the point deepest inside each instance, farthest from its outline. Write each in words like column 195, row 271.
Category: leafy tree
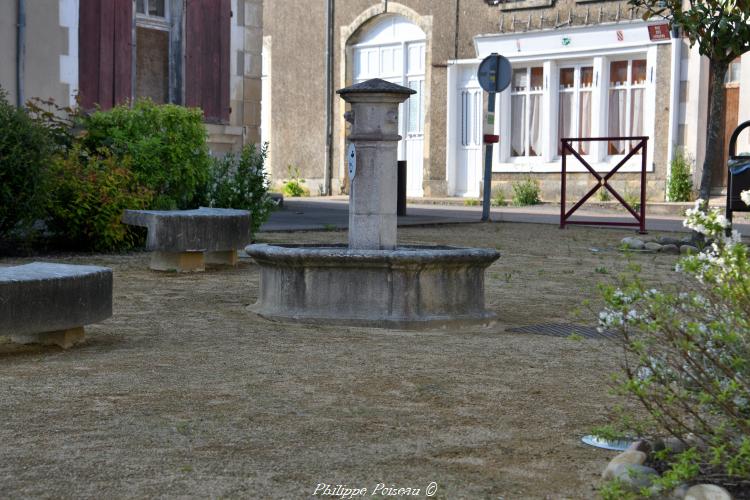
column 721, row 29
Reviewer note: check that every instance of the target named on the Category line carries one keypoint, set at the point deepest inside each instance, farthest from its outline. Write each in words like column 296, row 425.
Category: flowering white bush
column 687, row 352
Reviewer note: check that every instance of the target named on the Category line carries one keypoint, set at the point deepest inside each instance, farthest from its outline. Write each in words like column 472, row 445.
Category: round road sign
column 494, row 73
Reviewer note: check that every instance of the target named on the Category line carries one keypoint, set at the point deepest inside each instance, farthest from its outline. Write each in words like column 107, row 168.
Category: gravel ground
column 185, row 393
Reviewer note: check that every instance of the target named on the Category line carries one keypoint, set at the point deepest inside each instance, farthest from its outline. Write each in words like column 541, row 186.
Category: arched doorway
column 393, row 48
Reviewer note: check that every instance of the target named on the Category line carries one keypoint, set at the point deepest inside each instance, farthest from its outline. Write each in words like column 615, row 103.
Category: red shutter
column 207, row 25
column 105, row 52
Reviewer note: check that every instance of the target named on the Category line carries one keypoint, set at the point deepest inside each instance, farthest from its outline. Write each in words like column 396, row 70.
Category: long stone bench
column 186, row 240
column 44, row 303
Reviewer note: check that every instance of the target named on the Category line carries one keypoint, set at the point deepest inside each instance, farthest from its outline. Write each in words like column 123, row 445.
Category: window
column 151, row 8
column 627, row 86
column 415, row 123
column 733, row 72
column 526, row 112
column 152, row 40
column 574, row 112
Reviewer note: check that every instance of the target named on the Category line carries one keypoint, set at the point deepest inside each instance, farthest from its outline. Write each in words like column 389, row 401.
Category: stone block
column 374, row 187
column 707, row 492
column 252, row 89
column 62, row 338
column 253, row 13
column 201, row 230
column 373, row 232
column 253, row 64
column 406, row 287
column 181, row 262
column 228, row 258
column 50, row 303
column 632, row 457
column 253, row 39
column 251, row 116
column 634, row 476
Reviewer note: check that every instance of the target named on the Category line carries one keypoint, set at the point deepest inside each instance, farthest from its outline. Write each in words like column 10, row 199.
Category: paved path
column 304, row 214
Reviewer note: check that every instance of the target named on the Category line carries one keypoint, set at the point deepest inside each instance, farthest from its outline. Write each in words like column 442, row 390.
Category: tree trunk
column 715, row 132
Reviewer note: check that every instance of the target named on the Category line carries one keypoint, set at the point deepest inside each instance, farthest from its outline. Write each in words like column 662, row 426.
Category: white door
column 469, row 135
column 394, row 49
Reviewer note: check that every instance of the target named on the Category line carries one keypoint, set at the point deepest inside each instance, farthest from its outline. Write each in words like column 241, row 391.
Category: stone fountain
column 373, row 281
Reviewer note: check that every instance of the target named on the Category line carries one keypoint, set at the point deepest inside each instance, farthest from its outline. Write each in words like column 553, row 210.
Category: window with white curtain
column 574, row 111
column 526, row 112
column 415, row 123
column 627, row 87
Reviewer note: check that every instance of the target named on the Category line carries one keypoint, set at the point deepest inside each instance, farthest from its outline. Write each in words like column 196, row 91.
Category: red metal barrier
column 567, row 147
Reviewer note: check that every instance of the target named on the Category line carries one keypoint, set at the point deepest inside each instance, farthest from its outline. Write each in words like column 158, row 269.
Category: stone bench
column 43, row 303
column 186, row 240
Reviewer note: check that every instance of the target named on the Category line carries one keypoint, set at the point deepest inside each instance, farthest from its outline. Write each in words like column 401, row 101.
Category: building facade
column 581, row 68
column 204, row 53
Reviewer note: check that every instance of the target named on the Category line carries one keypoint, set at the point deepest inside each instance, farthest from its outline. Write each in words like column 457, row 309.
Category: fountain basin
column 409, row 287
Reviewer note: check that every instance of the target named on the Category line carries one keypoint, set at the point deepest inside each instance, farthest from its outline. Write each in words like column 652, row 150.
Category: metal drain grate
column 565, row 330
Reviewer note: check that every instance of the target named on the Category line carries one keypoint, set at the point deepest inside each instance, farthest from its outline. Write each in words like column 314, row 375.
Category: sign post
column 494, row 76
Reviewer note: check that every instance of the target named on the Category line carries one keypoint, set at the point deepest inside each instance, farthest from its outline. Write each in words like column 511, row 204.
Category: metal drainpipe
column 21, row 53
column 327, row 174
column 458, row 19
column 674, row 98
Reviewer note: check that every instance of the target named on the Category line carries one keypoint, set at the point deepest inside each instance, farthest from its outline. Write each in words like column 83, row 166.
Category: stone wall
column 246, row 45
column 46, row 42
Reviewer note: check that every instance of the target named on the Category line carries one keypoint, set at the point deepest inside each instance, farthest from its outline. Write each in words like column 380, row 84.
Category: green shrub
column 25, row 151
column 87, row 195
column 680, row 182
column 687, row 356
column 239, row 181
column 293, row 187
column 61, row 122
column 526, row 192
column 166, row 145
column 603, row 195
column 498, row 197
column 633, row 199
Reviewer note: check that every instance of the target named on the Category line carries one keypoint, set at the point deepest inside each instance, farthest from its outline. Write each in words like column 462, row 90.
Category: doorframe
column 347, row 40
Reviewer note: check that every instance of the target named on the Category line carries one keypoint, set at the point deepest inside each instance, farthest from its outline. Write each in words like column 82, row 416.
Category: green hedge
column 25, row 152
column 87, row 194
column 166, row 145
column 239, row 181
column 78, row 173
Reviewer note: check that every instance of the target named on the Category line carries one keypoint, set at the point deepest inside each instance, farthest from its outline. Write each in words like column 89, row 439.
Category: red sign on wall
column 659, row 32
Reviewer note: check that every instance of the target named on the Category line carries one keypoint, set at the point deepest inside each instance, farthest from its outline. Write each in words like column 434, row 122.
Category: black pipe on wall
column 21, row 53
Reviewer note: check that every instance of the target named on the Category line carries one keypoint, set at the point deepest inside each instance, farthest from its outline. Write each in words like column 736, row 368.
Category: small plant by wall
column 526, row 192
column 498, row 197
column 680, row 182
column 293, row 187
column 603, row 195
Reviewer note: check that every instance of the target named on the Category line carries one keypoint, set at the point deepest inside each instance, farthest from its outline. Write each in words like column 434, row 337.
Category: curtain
column 636, row 113
column 518, row 134
column 584, row 121
column 617, row 116
column 413, row 121
column 535, row 125
column 565, row 119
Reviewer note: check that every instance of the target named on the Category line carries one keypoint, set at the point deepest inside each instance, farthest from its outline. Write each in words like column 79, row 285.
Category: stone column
column 374, row 133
